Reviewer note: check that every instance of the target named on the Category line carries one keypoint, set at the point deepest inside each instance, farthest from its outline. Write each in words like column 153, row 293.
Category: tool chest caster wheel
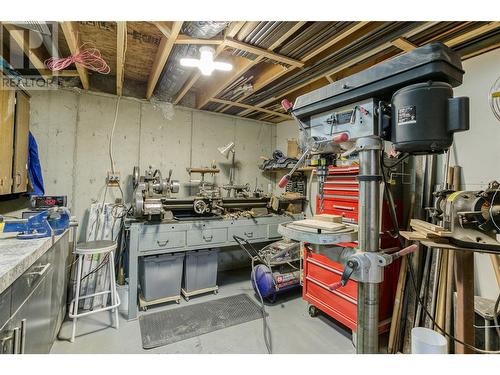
column 313, row 311
column 178, row 301
column 216, row 291
column 145, row 308
column 186, row 298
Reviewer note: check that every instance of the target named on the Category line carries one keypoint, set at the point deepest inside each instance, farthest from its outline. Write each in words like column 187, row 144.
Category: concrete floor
column 293, row 330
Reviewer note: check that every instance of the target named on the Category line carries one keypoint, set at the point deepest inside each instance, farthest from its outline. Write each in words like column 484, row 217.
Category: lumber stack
column 423, row 230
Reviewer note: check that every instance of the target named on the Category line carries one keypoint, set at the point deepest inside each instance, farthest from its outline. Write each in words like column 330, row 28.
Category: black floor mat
column 169, row 326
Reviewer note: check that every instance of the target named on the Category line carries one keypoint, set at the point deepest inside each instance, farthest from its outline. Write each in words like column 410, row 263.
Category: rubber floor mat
column 169, row 326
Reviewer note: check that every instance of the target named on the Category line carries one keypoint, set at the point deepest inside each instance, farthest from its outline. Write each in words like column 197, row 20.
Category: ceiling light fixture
column 206, row 62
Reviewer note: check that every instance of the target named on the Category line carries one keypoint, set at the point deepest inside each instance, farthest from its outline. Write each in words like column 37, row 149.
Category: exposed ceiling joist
column 252, row 107
column 70, row 33
column 473, row 33
column 21, row 38
column 334, row 40
column 262, row 52
column 61, row 73
column 164, row 27
column 121, row 37
column 186, row 39
column 164, row 49
column 231, row 31
column 360, row 58
column 241, row 68
column 403, row 44
column 273, row 73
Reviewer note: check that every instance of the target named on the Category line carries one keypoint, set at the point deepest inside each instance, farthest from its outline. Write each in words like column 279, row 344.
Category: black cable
column 417, row 292
column 97, row 268
column 424, row 308
column 399, row 161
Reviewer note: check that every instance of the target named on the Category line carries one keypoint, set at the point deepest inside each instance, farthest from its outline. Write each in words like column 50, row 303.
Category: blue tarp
column 34, row 168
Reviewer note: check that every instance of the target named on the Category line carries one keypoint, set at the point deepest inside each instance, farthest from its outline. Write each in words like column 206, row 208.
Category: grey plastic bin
column 200, row 269
column 161, row 275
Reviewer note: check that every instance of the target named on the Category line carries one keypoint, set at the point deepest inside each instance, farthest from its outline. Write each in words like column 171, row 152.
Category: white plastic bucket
column 427, row 341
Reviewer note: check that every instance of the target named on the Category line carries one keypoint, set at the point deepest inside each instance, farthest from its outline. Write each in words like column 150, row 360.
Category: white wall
column 477, row 150
column 73, row 130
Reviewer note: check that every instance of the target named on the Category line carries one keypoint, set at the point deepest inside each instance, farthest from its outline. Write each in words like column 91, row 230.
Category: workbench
column 147, row 238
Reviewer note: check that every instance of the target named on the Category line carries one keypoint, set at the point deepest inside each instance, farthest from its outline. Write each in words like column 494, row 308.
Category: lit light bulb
column 206, row 63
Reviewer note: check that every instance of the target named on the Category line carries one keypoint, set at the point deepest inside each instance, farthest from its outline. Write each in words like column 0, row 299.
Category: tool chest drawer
column 325, row 271
column 207, row 237
column 162, row 240
column 248, row 232
column 343, row 208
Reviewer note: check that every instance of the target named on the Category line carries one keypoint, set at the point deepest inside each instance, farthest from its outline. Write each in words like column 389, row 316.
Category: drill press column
column 368, row 240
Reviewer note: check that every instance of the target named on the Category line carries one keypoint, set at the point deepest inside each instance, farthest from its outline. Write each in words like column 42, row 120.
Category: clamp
column 367, row 267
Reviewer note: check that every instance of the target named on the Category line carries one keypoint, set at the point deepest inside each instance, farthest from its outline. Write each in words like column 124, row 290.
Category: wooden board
column 318, row 224
column 6, row 138
column 328, row 218
column 415, row 223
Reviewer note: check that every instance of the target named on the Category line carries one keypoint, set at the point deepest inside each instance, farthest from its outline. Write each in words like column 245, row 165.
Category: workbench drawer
column 207, row 237
column 162, row 240
column 28, row 281
column 248, row 232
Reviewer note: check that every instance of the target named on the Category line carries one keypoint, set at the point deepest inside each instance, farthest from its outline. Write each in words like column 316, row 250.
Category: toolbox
column 341, row 196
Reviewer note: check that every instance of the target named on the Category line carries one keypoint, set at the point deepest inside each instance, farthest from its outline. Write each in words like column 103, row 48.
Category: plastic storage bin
column 200, row 270
column 161, row 276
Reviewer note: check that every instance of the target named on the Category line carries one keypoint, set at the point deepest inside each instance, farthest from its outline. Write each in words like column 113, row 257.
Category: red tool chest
column 341, row 198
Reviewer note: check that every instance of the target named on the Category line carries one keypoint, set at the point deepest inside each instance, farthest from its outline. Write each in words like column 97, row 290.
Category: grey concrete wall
column 73, row 131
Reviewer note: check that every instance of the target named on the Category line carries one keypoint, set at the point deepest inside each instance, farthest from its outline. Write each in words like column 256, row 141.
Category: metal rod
column 368, row 240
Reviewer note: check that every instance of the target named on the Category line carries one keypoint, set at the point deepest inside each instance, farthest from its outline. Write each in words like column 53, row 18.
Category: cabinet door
column 34, row 318
column 21, row 131
column 7, row 104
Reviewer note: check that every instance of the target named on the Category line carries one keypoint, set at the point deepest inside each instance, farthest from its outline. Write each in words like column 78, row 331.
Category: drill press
column 407, row 100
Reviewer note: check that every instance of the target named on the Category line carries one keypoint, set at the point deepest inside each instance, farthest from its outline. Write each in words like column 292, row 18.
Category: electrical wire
column 88, row 57
column 110, row 147
column 494, row 98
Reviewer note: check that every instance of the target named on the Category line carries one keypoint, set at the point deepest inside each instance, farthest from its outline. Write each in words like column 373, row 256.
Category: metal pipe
column 368, row 240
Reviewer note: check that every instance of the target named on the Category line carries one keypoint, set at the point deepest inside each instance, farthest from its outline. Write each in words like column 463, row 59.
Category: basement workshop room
column 249, row 187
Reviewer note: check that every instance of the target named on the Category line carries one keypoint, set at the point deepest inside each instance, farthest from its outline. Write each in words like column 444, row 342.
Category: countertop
column 16, row 256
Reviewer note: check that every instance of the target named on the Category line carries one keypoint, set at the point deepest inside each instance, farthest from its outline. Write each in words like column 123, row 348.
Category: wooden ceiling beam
column 403, row 44
column 121, row 47
column 70, row 33
column 252, row 107
column 164, row 27
column 272, row 47
column 231, row 31
column 472, row 34
column 335, row 40
column 236, row 44
column 186, row 39
column 164, row 49
column 241, row 67
column 21, row 38
column 272, row 73
column 320, row 80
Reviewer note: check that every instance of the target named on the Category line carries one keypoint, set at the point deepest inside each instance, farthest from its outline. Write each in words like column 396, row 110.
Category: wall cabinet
column 14, row 132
